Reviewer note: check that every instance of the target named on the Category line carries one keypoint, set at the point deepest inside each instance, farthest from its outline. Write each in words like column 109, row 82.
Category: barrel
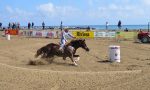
column 114, row 53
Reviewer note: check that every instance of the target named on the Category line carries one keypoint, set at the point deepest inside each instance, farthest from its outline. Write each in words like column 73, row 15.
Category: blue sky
column 75, row 12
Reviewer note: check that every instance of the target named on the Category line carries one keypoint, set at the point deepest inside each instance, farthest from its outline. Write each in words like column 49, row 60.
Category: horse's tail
column 42, row 51
column 39, row 52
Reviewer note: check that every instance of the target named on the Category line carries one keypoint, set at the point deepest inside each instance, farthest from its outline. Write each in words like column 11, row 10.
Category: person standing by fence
column 118, row 37
column 0, row 25
column 32, row 25
column 61, row 27
column 119, row 24
column 29, row 25
column 106, row 25
column 43, row 25
column 18, row 25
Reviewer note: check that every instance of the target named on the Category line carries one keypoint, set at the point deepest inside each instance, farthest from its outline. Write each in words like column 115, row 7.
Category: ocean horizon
column 110, row 27
column 113, row 27
column 95, row 27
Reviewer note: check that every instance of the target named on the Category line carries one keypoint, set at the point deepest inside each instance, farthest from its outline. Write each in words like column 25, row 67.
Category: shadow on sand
column 63, row 64
column 104, row 61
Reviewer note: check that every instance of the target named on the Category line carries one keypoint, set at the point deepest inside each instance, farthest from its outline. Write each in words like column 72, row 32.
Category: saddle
column 69, row 48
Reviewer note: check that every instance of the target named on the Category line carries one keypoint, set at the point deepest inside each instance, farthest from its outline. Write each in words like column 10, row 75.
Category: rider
column 64, row 36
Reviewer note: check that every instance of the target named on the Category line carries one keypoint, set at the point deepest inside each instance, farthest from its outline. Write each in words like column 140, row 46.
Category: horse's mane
column 73, row 41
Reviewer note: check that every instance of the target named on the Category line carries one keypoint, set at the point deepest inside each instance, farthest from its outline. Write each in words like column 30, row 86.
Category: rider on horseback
column 64, row 37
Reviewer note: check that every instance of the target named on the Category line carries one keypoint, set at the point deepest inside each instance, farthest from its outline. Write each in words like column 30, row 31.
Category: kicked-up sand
column 93, row 72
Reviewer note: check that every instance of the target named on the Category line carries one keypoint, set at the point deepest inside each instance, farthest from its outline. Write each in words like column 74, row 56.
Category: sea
column 114, row 27
column 95, row 27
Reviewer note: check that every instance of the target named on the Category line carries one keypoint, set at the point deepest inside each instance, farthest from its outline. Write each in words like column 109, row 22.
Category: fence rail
column 76, row 33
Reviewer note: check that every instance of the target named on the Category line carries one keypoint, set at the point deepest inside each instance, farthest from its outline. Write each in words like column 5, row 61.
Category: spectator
column 18, row 25
column 106, row 25
column 32, row 24
column 61, row 27
column 9, row 25
column 119, row 24
column 88, row 28
column 29, row 25
column 1, row 25
column 13, row 26
column 43, row 25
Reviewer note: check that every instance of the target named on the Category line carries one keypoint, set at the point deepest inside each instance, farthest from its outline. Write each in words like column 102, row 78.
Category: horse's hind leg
column 50, row 59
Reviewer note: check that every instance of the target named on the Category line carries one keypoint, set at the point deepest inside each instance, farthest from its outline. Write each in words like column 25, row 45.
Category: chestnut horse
column 52, row 49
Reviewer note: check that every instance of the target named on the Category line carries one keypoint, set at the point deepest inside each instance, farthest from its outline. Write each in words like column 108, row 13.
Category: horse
column 52, row 49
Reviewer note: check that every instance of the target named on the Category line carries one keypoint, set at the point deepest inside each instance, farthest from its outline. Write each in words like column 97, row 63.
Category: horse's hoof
column 75, row 64
column 77, row 59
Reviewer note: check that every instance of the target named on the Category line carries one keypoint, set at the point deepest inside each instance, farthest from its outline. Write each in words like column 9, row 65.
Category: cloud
column 50, row 10
column 146, row 2
column 114, row 10
column 47, row 8
column 90, row 2
column 9, row 9
column 16, row 14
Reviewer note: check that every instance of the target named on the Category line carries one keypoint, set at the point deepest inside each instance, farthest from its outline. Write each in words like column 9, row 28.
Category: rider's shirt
column 66, row 35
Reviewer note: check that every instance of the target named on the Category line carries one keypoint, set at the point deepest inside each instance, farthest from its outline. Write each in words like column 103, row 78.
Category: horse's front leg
column 64, row 57
column 72, row 59
column 78, row 57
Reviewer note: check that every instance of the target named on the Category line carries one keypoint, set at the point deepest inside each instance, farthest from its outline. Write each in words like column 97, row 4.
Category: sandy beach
column 92, row 73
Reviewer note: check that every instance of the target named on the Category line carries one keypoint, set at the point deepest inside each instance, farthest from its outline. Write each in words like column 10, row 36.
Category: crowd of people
column 16, row 25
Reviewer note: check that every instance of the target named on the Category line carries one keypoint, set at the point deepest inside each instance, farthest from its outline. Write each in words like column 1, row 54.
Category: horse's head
column 78, row 43
column 83, row 45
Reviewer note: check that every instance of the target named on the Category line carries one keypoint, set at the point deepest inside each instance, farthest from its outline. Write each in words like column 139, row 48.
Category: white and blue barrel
column 114, row 53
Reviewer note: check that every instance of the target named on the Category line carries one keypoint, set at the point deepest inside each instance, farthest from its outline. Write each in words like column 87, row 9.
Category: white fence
column 105, row 34
column 49, row 34
column 57, row 34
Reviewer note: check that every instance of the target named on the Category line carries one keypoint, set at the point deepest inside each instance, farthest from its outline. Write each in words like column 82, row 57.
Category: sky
column 75, row 12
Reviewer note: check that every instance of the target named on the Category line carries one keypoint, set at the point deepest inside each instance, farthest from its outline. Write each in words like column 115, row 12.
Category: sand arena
column 93, row 70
